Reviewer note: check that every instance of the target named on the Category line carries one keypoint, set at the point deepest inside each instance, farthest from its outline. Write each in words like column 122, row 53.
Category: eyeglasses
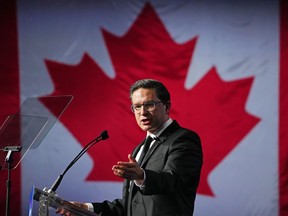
column 148, row 106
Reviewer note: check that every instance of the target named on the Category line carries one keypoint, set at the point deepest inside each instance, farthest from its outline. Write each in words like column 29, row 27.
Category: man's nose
column 143, row 110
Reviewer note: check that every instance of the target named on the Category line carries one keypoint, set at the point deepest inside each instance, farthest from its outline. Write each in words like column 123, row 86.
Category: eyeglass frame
column 134, row 110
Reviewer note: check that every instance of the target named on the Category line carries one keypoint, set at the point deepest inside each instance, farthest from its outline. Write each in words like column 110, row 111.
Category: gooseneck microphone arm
column 103, row 136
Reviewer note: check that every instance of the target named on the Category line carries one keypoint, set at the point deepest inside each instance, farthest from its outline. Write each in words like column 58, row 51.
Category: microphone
column 103, row 136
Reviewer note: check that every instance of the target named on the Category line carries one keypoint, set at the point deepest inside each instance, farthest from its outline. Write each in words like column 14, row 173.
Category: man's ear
column 168, row 106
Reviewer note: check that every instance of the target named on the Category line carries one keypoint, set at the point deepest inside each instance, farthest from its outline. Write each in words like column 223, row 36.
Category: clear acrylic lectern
column 49, row 199
column 26, row 129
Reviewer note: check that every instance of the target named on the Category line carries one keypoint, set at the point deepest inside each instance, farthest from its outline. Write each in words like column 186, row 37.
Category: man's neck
column 161, row 128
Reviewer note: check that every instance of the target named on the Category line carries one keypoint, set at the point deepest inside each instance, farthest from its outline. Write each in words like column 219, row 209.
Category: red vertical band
column 9, row 94
column 283, row 111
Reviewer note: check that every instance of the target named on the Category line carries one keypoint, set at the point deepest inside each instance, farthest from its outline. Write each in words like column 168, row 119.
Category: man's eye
column 150, row 104
column 137, row 106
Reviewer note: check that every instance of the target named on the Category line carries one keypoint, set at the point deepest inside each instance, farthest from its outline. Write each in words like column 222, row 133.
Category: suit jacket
column 172, row 167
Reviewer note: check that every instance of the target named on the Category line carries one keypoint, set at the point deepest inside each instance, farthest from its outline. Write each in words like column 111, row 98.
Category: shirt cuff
column 90, row 207
column 137, row 183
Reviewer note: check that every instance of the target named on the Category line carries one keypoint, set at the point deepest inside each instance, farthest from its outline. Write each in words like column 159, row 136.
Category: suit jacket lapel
column 174, row 126
column 137, row 149
column 152, row 149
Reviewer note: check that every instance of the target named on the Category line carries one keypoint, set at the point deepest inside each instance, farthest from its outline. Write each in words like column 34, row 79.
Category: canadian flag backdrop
column 224, row 62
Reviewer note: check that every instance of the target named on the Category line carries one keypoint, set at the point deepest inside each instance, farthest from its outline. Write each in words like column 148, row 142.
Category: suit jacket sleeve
column 177, row 167
column 114, row 208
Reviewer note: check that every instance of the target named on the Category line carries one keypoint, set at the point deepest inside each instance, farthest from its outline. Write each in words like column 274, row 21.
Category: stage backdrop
column 223, row 62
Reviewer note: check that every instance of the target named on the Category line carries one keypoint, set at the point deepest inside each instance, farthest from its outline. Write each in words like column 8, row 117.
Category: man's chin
column 146, row 127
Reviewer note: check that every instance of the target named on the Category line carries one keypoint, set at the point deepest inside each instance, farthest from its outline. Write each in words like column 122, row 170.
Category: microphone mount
column 103, row 136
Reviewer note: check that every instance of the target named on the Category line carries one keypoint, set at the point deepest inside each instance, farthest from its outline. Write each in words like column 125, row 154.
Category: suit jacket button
column 135, row 202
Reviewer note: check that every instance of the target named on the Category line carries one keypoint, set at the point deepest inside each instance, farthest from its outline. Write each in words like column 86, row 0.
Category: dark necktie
column 145, row 149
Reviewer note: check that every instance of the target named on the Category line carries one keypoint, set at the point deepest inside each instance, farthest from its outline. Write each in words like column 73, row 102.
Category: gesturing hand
column 129, row 170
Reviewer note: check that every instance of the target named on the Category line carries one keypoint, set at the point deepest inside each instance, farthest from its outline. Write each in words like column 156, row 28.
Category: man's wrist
column 141, row 183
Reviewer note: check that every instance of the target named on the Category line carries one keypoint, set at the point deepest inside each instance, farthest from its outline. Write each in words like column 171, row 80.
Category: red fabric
column 146, row 26
column 9, row 94
column 283, row 115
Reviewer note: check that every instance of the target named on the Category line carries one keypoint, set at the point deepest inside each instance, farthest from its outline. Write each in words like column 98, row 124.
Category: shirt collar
column 161, row 129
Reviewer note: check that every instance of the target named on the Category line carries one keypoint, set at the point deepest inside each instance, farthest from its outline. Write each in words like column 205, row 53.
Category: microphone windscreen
column 104, row 135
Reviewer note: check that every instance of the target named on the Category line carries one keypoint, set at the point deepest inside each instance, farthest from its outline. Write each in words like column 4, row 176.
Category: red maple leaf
column 213, row 108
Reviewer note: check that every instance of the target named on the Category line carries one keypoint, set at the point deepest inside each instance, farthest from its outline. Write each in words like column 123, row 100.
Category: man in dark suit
column 163, row 181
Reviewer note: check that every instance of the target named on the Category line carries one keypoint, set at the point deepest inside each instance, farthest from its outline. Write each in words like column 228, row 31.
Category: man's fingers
column 127, row 170
column 124, row 165
column 131, row 159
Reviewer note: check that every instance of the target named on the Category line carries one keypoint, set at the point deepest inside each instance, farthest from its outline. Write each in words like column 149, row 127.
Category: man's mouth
column 145, row 121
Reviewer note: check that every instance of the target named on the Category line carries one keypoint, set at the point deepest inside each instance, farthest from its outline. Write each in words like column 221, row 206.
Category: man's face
column 149, row 120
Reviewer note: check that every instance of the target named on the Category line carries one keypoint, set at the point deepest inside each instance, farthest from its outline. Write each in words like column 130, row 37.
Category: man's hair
column 161, row 91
